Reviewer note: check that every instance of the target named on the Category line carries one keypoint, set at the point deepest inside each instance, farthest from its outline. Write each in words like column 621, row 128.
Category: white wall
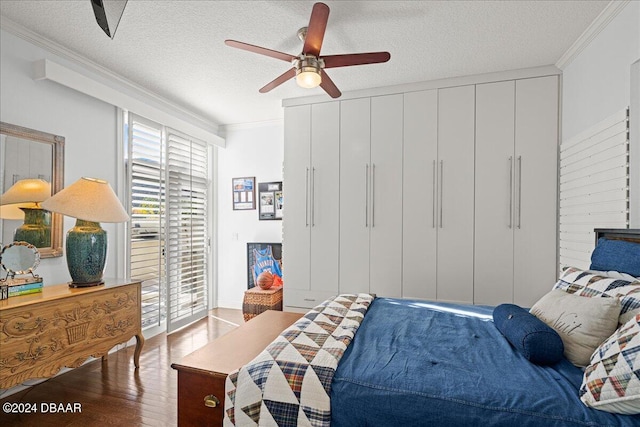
column 596, row 84
column 88, row 125
column 255, row 150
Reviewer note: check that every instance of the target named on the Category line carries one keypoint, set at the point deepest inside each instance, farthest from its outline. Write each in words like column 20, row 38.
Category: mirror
column 19, row 258
column 27, row 156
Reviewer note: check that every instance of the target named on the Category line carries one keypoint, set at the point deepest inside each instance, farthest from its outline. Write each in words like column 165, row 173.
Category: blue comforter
column 417, row 363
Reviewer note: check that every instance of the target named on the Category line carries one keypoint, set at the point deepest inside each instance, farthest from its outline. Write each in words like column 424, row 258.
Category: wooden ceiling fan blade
column 260, row 50
column 329, row 86
column 315, row 29
column 291, row 73
column 333, row 61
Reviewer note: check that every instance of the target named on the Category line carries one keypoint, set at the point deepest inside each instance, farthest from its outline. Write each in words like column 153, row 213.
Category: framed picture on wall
column 244, row 193
column 261, row 256
column 270, row 200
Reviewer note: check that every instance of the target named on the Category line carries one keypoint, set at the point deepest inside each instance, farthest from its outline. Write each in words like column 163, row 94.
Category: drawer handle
column 210, row 401
column 309, row 299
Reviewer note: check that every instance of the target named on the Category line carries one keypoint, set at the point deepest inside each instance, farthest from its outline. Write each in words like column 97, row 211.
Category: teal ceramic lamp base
column 36, row 228
column 86, row 253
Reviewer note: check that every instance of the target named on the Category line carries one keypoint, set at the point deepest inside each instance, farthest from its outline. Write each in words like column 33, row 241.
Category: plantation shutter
column 594, row 186
column 187, row 238
column 146, row 206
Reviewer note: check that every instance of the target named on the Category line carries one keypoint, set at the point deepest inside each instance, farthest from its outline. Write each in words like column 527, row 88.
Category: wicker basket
column 257, row 300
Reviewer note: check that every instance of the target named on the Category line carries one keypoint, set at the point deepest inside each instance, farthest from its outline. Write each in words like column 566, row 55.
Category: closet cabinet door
column 297, row 175
column 325, row 187
column 386, row 195
column 536, row 188
column 355, row 205
column 494, row 194
column 456, row 130
column 419, row 193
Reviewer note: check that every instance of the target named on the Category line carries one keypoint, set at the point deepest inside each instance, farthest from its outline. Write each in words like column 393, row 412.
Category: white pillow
column 610, row 382
column 582, row 323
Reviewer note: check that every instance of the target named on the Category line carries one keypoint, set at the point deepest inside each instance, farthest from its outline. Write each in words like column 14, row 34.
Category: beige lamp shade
column 30, row 190
column 88, row 199
column 14, row 211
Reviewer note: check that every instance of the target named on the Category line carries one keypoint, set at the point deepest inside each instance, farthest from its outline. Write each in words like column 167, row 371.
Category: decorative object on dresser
column 20, row 258
column 257, row 300
column 26, row 195
column 61, row 327
column 90, row 201
column 201, row 375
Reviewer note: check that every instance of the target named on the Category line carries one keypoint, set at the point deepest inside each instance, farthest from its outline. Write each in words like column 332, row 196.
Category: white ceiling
column 176, row 49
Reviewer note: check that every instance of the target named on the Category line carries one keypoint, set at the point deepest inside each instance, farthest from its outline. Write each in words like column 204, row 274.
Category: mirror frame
column 57, row 177
column 34, row 264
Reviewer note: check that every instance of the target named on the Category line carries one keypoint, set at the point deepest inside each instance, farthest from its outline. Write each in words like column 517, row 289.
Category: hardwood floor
column 113, row 392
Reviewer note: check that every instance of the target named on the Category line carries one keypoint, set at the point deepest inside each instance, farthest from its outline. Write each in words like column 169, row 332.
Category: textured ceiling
column 176, row 49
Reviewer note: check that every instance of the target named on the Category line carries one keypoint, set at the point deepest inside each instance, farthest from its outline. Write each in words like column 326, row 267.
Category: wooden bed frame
column 202, row 374
column 628, row 234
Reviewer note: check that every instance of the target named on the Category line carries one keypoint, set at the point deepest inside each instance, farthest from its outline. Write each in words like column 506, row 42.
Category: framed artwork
column 261, row 256
column 270, row 200
column 244, row 193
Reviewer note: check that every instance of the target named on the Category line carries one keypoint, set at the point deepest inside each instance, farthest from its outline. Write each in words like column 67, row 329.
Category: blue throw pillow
column 530, row 336
column 617, row 255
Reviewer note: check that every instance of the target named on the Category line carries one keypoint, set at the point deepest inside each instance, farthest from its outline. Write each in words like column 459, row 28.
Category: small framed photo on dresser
column 244, row 193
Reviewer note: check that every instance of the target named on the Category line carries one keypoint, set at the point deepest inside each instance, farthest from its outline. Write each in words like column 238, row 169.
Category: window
column 168, row 180
column 187, row 239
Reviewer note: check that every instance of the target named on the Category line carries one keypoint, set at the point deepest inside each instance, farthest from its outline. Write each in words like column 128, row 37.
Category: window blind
column 594, row 186
column 146, row 206
column 187, row 238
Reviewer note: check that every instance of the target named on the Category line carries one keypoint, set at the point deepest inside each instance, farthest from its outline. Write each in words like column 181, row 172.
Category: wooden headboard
column 628, row 234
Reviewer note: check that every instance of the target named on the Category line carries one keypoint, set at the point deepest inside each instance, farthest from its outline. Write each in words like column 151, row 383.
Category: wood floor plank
column 113, row 392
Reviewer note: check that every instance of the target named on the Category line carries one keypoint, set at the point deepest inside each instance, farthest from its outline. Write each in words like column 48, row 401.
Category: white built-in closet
column 447, row 193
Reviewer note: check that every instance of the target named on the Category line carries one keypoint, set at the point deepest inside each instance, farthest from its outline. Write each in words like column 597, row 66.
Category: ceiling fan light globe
column 308, row 77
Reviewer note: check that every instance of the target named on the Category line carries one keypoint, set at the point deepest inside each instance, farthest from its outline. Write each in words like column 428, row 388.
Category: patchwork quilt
column 289, row 383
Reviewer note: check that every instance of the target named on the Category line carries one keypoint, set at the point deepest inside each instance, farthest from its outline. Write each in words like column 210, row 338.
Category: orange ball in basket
column 265, row 280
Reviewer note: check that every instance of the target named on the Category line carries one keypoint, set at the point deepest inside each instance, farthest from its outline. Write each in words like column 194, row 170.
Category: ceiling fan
column 309, row 67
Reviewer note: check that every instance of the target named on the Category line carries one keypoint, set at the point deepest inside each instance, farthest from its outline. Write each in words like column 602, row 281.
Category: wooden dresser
column 62, row 327
column 202, row 374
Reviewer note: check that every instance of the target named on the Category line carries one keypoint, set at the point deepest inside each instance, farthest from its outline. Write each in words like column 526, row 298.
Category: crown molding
column 225, row 129
column 496, row 76
column 600, row 23
column 104, row 73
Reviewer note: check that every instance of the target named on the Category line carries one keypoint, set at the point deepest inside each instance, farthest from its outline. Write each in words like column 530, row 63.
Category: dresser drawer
column 304, row 298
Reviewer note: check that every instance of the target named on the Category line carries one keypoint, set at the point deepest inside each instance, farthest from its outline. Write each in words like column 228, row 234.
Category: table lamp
column 90, row 201
column 26, row 195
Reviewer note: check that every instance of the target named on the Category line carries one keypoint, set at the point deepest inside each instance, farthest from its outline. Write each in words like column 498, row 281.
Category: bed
column 409, row 363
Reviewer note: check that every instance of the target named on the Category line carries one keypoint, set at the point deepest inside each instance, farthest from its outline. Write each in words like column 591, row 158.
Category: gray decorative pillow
column 582, row 323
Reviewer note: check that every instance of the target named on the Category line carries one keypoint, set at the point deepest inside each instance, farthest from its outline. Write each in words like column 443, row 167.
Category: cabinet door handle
column 519, row 191
column 373, row 195
column 510, row 192
column 211, row 401
column 306, row 199
column 366, row 195
column 433, row 197
column 441, row 188
column 313, row 197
